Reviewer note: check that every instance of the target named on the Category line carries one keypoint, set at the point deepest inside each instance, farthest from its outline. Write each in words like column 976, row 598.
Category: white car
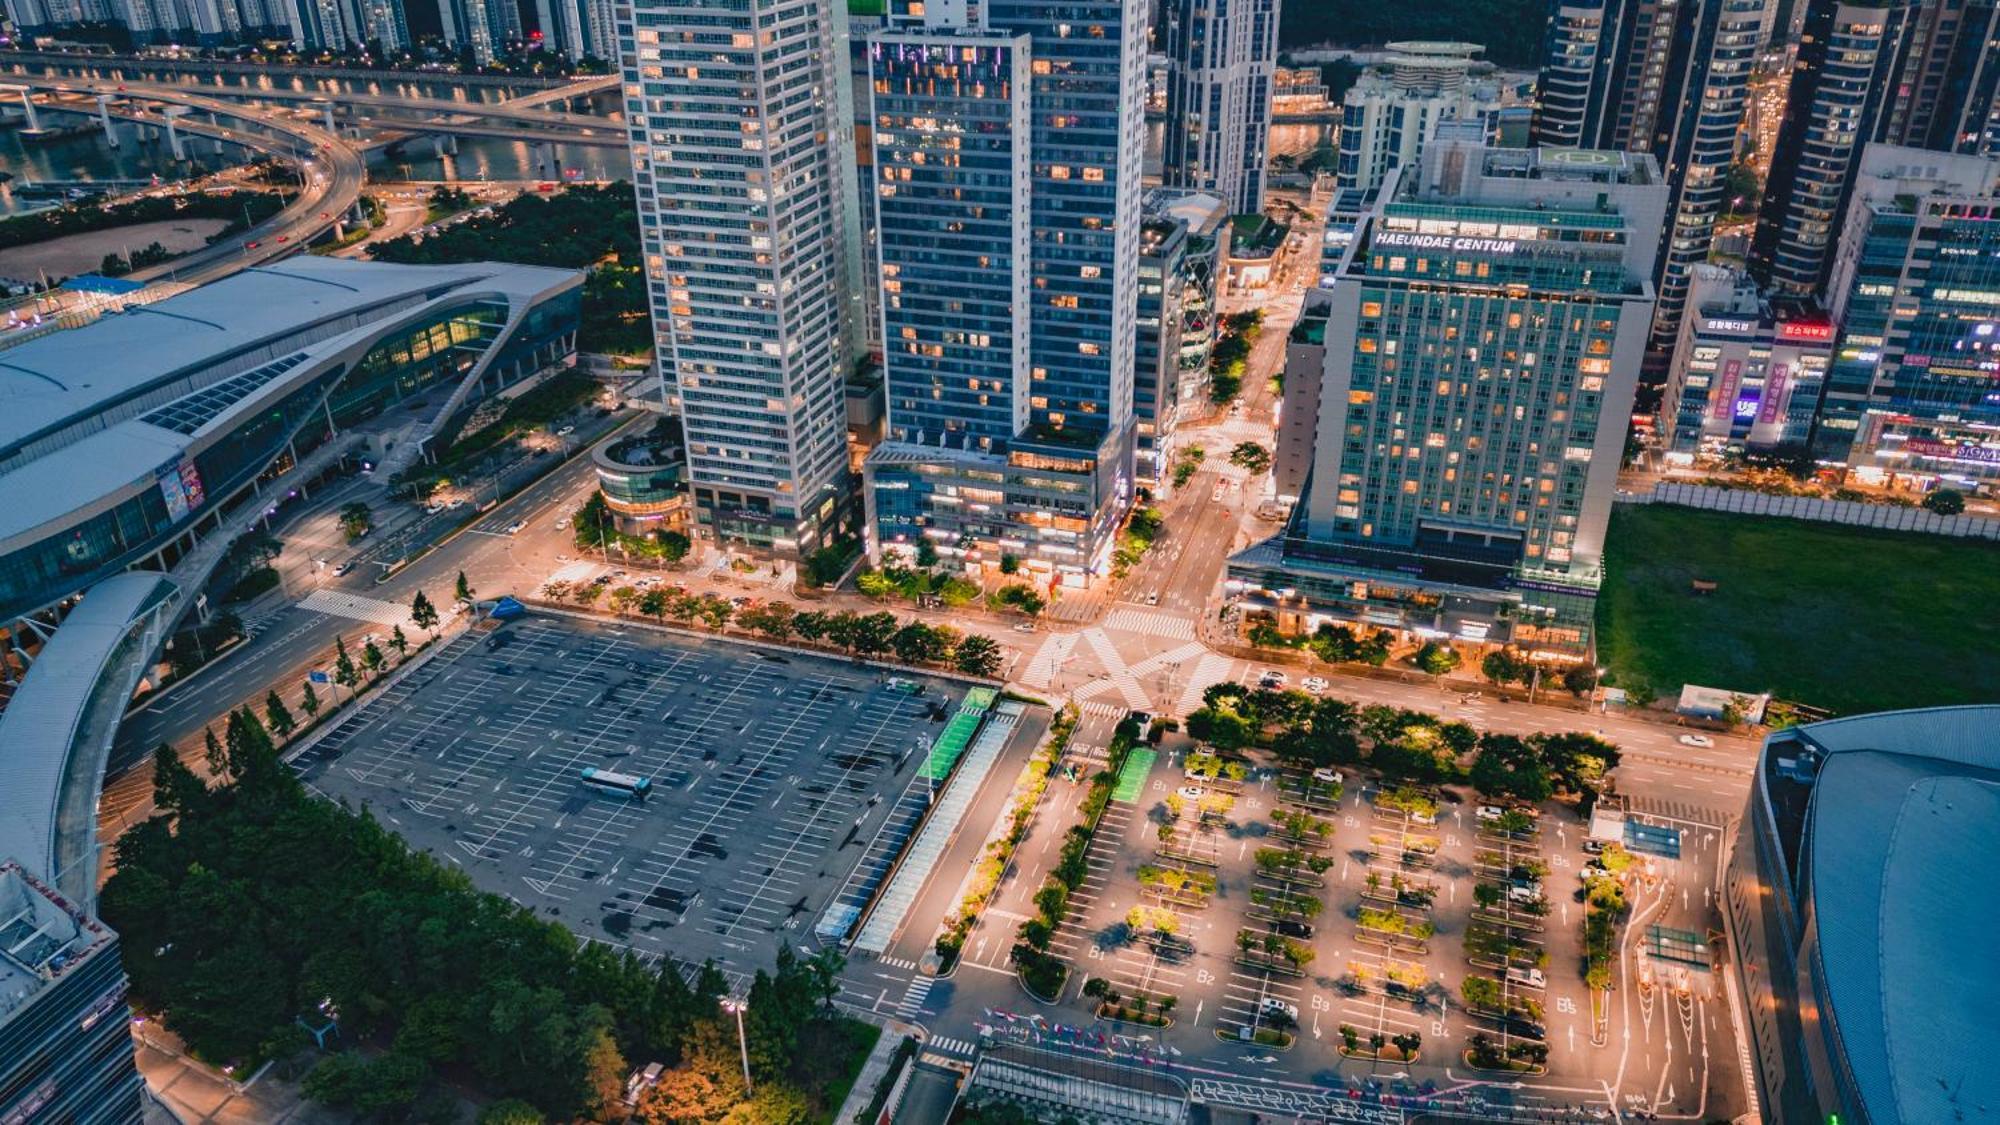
column 1025, row 627
column 1191, row 792
column 562, row 524
column 434, row 507
column 1700, row 740
column 1273, row 679
column 1314, row 684
column 1327, row 776
column 515, row 527
column 1272, row 1006
column 1490, row 812
column 1531, row 978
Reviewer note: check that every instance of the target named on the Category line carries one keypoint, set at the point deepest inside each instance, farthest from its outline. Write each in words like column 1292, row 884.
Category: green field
column 1837, row 617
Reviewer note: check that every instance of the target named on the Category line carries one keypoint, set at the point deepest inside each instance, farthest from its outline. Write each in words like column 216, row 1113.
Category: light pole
column 734, row 1006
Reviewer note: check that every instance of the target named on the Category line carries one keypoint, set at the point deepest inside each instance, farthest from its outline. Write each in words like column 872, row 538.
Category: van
column 1528, row 978
column 1531, row 892
column 1272, row 1006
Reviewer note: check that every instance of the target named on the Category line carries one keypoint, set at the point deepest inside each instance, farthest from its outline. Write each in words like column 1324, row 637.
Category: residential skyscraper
column 730, row 105
column 1390, row 111
column 1849, row 57
column 1914, row 392
column 1008, row 435
column 1483, row 342
column 1660, row 77
column 578, row 28
column 1220, row 55
column 466, row 26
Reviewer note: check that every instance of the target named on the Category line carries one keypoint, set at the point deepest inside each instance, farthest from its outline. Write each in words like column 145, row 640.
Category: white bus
column 622, row 783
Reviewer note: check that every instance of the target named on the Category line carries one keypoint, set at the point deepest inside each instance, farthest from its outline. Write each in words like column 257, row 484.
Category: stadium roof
column 113, row 403
column 70, row 375
column 1906, row 822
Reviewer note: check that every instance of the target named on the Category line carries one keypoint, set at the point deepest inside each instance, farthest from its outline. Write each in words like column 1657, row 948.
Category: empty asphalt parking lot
column 771, row 772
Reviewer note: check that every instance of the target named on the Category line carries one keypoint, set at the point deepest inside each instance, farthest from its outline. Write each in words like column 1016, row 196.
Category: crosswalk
column 946, row 1045
column 1117, row 677
column 1675, row 810
column 1209, row 670
column 913, row 998
column 1055, row 648
column 340, row 603
column 897, row 963
column 1151, row 624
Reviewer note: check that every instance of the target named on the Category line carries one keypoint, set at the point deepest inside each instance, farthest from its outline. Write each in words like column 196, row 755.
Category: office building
column 65, row 1030
column 1747, row 372
column 1913, row 396
column 1298, row 417
column 1483, row 342
column 1010, row 281
column 1858, row 884
column 1849, row 57
column 1220, row 58
column 1671, row 80
column 1392, row 109
column 1182, row 249
column 732, row 113
column 1157, row 347
column 1945, row 96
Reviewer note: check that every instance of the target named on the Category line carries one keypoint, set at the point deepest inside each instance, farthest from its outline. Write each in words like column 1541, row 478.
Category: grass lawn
column 1839, row 617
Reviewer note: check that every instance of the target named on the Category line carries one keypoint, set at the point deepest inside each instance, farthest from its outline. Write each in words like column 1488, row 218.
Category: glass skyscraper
column 1220, row 58
column 1008, row 241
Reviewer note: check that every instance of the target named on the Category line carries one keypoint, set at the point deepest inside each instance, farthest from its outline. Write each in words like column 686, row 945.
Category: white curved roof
column 1905, row 822
column 39, row 726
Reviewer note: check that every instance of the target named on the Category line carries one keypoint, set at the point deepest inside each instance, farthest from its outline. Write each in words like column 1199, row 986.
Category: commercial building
column 65, row 1031
column 1483, row 343
column 133, row 452
column 1220, row 59
column 1182, row 249
column 643, row 479
column 1298, row 418
column 1393, row 108
column 1913, row 396
column 1857, row 896
column 1747, row 372
column 734, row 119
column 1006, row 160
column 1668, row 79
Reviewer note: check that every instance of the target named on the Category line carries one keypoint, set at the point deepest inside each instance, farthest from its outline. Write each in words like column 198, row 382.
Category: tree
column 927, row 552
column 423, row 614
column 212, row 755
column 1436, row 659
column 715, row 611
column 399, row 642
column 654, row 604
column 372, row 659
column 511, row 1111
column 309, row 701
column 811, row 625
column 344, row 672
column 1505, row 666
column 1580, row 679
column 1408, row 1043
column 1481, row 992
column 623, row 597
column 1010, row 564
column 1945, row 501
column 674, row 545
column 872, row 634
column 462, row 590
column 278, row 715
column 1250, row 457
column 356, row 520
column 978, row 656
column 918, row 643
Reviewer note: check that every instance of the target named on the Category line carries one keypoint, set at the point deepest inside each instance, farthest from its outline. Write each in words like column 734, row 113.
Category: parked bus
column 621, row 783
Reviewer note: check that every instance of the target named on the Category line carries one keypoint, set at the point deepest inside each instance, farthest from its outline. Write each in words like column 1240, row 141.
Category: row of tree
column 1401, row 744
column 248, row 905
column 864, row 635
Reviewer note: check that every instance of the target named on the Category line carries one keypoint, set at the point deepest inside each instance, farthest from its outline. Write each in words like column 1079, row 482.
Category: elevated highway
column 332, row 170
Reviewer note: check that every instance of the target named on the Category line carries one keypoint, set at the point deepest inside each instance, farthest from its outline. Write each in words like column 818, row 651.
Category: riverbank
column 83, row 253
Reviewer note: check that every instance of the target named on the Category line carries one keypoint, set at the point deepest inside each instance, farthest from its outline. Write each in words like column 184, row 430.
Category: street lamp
column 735, row 1007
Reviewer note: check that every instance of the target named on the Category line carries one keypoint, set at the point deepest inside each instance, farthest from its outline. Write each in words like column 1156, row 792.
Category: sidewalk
column 873, row 1071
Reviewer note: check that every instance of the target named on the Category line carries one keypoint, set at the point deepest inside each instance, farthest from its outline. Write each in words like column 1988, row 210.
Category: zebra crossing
column 897, row 963
column 946, row 1045
column 1042, row 667
column 340, row 603
column 1117, row 676
column 1151, row 624
column 913, row 998
column 1209, row 670
column 1675, row 810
